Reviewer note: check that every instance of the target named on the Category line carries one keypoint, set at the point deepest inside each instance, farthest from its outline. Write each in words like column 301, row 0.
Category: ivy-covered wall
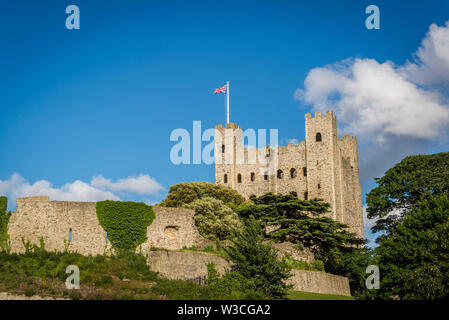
column 4, row 219
column 125, row 222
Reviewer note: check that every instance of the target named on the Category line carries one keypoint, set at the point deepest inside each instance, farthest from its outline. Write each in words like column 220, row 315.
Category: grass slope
column 300, row 295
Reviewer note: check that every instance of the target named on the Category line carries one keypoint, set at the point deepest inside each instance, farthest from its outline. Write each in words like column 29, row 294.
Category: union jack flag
column 220, row 90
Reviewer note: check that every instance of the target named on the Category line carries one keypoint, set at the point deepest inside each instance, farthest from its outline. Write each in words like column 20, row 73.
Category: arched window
column 239, row 178
column 253, row 176
column 222, row 148
column 293, row 193
column 304, row 172
column 292, row 173
column 306, row 196
column 70, row 234
column 318, row 137
column 280, row 174
column 225, row 178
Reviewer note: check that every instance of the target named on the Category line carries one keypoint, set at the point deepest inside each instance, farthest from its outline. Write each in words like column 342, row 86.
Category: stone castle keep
column 323, row 166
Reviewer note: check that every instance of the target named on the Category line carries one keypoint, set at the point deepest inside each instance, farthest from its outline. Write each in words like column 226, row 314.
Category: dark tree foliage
column 299, row 221
column 414, row 258
column 402, row 186
column 259, row 261
column 125, row 222
column 184, row 193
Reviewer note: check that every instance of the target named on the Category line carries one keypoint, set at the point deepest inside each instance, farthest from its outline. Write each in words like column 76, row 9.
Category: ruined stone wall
column 36, row 217
column 173, row 229
column 326, row 169
column 320, row 282
column 185, row 265
column 193, row 266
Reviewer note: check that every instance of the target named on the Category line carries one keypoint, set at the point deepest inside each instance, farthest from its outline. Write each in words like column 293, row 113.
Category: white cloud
column 431, row 62
column 99, row 189
column 142, row 184
column 376, row 100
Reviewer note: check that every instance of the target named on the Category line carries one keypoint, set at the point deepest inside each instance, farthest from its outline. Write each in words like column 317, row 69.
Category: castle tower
column 323, row 166
column 321, row 158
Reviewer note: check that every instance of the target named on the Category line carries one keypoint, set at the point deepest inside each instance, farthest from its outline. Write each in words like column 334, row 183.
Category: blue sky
column 103, row 100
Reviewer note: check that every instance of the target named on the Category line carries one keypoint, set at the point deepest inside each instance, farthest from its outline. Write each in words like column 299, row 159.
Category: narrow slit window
column 306, row 196
column 253, row 176
column 280, row 174
column 225, row 178
column 70, row 234
column 292, row 173
column 239, row 178
column 304, row 172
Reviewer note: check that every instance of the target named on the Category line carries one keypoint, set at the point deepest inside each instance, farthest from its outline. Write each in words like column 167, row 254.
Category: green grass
column 300, row 295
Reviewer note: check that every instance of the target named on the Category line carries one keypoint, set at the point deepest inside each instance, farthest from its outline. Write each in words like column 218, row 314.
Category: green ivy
column 125, row 222
column 4, row 219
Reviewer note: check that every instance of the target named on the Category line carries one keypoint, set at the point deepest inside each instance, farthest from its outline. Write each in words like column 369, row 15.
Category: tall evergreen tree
column 257, row 260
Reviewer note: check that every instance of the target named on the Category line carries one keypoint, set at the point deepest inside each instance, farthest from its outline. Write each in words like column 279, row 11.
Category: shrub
column 125, row 222
column 214, row 219
column 232, row 286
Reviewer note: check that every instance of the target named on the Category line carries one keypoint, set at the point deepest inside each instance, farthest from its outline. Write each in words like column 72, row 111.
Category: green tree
column 414, row 257
column 402, row 186
column 214, row 219
column 184, row 193
column 125, row 222
column 259, row 261
column 299, row 221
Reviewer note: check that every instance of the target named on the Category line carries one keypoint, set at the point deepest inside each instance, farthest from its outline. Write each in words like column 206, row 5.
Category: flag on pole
column 220, row 90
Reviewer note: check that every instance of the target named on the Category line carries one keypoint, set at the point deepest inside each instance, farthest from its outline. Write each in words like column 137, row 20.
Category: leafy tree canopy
column 402, row 186
column 414, row 258
column 184, row 193
column 214, row 219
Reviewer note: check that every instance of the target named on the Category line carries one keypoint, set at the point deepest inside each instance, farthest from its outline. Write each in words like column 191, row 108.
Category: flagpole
column 227, row 99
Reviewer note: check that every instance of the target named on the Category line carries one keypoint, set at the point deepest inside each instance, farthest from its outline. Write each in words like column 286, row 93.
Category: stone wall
column 36, row 217
column 320, row 282
column 185, row 265
column 173, row 228
column 193, row 266
column 325, row 168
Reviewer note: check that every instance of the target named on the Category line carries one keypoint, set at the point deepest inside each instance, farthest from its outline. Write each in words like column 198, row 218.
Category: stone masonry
column 323, row 166
column 54, row 221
